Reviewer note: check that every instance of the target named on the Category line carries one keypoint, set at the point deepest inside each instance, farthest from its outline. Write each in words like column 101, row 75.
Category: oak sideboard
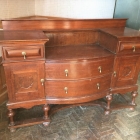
column 65, row 63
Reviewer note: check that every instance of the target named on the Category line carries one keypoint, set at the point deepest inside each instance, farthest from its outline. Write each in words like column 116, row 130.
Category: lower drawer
column 74, row 88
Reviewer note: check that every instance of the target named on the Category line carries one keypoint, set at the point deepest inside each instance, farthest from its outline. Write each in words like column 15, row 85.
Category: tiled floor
column 78, row 123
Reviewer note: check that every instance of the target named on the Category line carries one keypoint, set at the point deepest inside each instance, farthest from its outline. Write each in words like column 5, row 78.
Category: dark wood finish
column 76, row 53
column 23, row 81
column 3, row 89
column 129, row 47
column 77, row 88
column 109, row 100
column 78, row 70
column 26, row 104
column 127, row 72
column 15, row 53
column 134, row 95
column 83, row 61
column 108, row 41
column 65, row 38
column 77, row 99
column 61, row 24
column 11, row 115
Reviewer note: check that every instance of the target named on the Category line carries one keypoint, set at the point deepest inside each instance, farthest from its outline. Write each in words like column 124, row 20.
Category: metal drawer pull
column 66, row 89
column 66, row 72
column 24, row 55
column 100, row 69
column 134, row 48
column 115, row 73
column 98, row 86
column 42, row 82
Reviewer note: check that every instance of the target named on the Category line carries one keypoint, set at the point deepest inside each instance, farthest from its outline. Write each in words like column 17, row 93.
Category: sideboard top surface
column 21, row 35
column 122, row 32
column 73, row 53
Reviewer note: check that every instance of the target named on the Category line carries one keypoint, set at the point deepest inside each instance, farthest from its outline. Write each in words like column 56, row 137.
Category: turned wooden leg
column 134, row 95
column 109, row 100
column 11, row 117
column 46, row 109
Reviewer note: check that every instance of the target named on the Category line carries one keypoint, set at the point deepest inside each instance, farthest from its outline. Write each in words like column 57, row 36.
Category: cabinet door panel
column 127, row 70
column 23, row 80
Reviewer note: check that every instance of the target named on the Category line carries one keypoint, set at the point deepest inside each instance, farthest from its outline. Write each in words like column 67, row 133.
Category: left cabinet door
column 24, row 81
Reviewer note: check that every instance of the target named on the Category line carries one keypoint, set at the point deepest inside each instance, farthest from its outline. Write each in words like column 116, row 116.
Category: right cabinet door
column 126, row 70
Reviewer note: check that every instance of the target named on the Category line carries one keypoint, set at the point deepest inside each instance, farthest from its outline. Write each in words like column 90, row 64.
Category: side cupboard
column 63, row 63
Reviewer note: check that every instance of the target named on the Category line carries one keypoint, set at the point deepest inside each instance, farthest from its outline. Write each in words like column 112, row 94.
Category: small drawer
column 76, row 88
column 78, row 70
column 23, row 52
column 129, row 47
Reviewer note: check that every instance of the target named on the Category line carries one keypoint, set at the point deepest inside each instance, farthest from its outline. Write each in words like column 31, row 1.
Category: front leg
column 46, row 109
column 11, row 117
column 134, row 95
column 109, row 100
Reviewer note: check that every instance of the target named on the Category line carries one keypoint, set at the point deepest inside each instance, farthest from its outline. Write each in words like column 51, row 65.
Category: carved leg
column 134, row 95
column 46, row 108
column 109, row 99
column 11, row 115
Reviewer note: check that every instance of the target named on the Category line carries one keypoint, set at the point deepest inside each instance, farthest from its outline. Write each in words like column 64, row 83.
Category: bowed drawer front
column 73, row 88
column 23, row 52
column 77, row 70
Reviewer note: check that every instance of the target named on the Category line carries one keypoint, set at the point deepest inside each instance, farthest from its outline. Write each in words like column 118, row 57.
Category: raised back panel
column 62, row 24
column 63, row 38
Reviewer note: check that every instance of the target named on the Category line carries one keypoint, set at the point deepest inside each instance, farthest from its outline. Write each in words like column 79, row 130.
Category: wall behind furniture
column 75, row 8
column 129, row 9
column 16, row 8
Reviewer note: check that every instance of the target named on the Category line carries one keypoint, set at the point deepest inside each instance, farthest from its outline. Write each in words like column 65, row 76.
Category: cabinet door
column 24, row 81
column 127, row 70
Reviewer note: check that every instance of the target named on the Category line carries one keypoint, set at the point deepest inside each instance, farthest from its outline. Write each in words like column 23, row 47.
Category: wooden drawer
column 23, row 52
column 130, row 47
column 77, row 70
column 75, row 88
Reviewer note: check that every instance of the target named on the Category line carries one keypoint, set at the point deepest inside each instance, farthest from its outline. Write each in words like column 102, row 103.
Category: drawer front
column 129, row 47
column 76, row 88
column 79, row 70
column 23, row 52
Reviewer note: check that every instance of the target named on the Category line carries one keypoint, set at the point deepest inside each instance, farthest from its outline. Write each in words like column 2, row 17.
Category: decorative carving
column 26, row 82
column 126, row 71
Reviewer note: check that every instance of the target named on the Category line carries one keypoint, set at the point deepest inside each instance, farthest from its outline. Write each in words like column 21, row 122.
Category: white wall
column 16, row 8
column 75, row 8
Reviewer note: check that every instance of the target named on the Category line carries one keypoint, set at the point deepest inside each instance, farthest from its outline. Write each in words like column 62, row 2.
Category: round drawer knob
column 66, row 89
column 98, row 86
column 134, row 48
column 100, row 69
column 24, row 55
column 42, row 82
column 66, row 72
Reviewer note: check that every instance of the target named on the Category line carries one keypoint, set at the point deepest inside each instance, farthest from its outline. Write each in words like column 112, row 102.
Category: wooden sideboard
column 3, row 89
column 67, row 63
